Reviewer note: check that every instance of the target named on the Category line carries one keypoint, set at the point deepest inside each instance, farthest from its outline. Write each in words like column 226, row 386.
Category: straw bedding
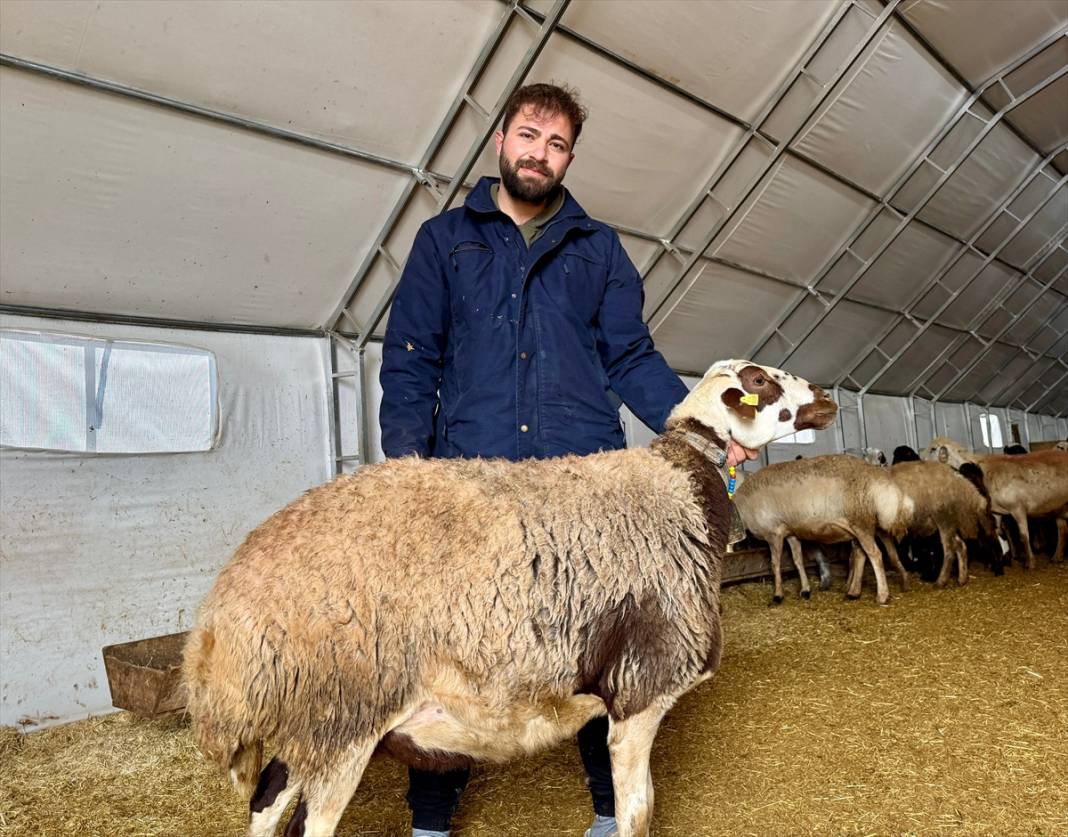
column 944, row 713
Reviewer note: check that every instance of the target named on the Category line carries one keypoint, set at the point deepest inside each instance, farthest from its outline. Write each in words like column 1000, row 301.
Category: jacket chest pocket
column 472, row 279
column 576, row 284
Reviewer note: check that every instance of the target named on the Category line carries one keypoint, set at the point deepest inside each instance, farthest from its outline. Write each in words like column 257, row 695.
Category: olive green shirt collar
column 533, row 228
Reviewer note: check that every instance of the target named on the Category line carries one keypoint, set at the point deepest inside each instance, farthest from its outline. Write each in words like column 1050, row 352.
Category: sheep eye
column 759, row 382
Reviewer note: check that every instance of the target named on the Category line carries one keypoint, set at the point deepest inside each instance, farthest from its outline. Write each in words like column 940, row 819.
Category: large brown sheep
column 457, row 611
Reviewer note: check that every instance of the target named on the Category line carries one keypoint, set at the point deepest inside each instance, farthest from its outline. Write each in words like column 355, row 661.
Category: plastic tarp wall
column 96, row 550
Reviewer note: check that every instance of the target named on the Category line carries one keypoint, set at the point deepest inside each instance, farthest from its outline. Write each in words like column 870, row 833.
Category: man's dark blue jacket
column 522, row 348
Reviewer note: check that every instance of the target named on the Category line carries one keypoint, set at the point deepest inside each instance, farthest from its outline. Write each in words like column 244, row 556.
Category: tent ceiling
column 269, row 165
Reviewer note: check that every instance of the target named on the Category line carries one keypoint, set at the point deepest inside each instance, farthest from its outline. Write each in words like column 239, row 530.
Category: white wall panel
column 106, row 549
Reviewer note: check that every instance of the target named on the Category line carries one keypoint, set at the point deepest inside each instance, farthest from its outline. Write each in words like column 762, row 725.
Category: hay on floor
column 944, row 713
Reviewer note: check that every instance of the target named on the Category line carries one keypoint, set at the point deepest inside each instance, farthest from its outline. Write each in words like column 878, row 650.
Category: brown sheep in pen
column 453, row 611
column 1030, row 485
column 947, row 503
column 827, row 499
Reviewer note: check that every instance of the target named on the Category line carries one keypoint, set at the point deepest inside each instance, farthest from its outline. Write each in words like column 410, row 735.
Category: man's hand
column 736, row 454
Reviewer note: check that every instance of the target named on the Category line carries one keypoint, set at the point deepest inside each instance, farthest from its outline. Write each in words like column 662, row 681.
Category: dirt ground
column 944, row 713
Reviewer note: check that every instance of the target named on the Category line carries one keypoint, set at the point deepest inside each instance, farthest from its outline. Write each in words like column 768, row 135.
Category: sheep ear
column 943, row 454
column 734, row 398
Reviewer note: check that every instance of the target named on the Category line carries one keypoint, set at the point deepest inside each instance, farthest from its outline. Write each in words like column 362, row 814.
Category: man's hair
column 547, row 100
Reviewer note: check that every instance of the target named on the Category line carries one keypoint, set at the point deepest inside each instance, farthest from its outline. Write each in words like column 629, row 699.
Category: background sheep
column 477, row 609
column 827, row 499
column 947, row 504
column 1032, row 484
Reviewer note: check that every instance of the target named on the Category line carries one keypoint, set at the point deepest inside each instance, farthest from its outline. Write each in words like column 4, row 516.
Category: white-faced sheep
column 1030, row 485
column 827, row 499
column 459, row 610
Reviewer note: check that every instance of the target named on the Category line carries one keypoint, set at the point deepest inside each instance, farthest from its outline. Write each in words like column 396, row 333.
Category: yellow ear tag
column 752, row 399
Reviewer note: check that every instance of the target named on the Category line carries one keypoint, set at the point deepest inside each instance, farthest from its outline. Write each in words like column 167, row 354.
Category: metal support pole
column 910, row 423
column 840, row 419
column 861, row 421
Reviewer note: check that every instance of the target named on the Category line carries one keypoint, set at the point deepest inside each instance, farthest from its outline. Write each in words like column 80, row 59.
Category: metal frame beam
column 1046, row 391
column 669, row 245
column 489, row 49
column 780, row 149
column 252, row 125
column 907, row 314
column 919, row 381
column 154, row 322
column 533, row 51
column 955, row 73
column 885, row 204
column 991, row 342
column 1025, row 351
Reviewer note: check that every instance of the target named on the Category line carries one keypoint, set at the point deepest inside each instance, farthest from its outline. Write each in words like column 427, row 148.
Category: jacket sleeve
column 638, row 372
column 413, row 352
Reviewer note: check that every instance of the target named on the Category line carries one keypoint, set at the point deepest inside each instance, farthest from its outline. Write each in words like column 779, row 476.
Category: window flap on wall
column 90, row 395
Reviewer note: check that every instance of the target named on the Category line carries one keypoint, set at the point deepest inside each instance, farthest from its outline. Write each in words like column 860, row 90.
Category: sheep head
column 948, row 452
column 755, row 404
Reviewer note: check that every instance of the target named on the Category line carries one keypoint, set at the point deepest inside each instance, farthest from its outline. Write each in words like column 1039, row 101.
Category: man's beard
column 528, row 190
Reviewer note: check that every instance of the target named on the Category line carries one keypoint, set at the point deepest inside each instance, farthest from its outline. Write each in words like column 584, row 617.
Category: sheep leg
column 948, row 553
column 962, row 560
column 895, row 559
column 799, row 562
column 1020, row 516
column 328, row 793
column 825, row 567
column 630, row 742
column 871, row 548
column 1062, row 537
column 274, row 790
column 856, row 572
column 775, row 543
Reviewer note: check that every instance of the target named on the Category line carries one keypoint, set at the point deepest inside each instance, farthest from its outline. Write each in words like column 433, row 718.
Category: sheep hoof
column 853, row 596
column 806, row 594
column 776, row 599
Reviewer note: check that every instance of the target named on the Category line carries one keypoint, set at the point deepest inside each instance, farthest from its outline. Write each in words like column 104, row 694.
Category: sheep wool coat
column 541, row 580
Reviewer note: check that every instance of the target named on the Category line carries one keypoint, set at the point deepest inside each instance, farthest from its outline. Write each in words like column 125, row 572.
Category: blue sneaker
column 602, row 827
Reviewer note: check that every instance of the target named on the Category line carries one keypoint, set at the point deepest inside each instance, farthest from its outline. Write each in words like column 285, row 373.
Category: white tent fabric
column 267, row 165
column 103, row 549
column 870, row 193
